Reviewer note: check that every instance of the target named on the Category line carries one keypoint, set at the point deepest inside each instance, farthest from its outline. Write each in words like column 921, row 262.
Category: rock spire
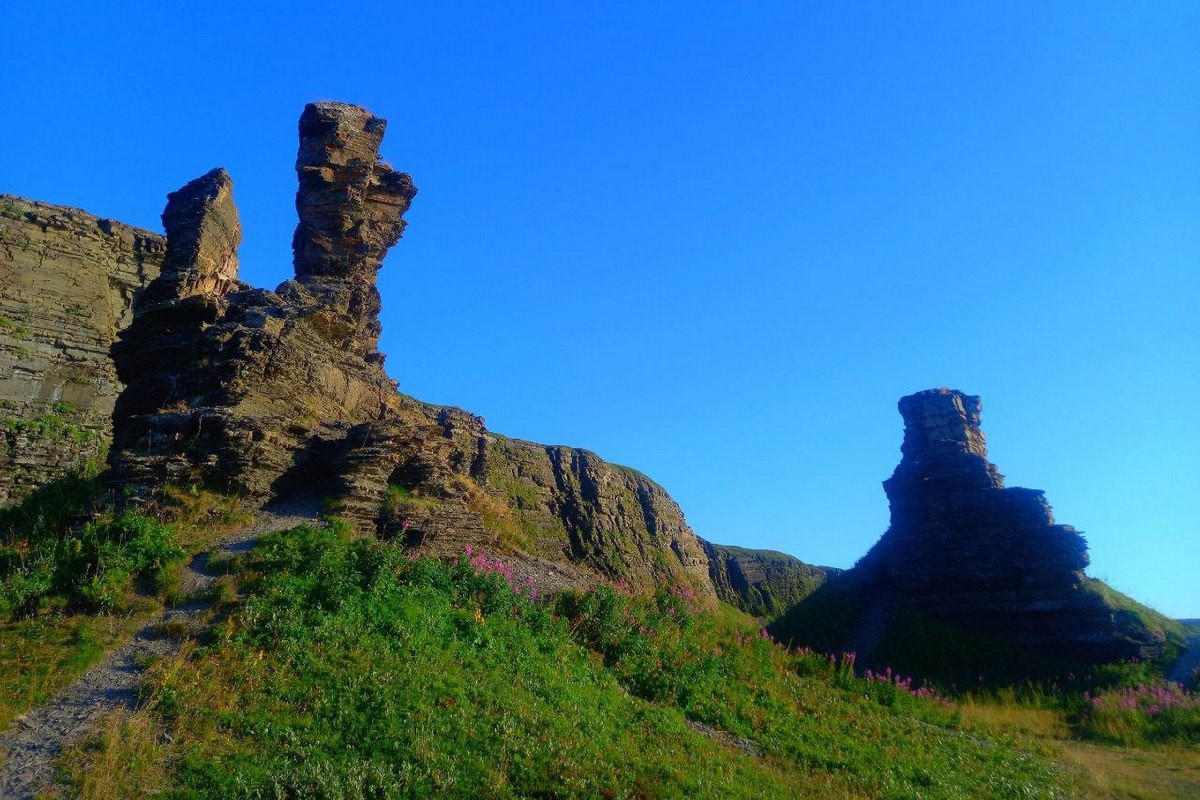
column 966, row 548
column 351, row 204
column 279, row 395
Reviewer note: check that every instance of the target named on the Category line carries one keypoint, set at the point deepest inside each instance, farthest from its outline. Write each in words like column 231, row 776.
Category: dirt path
column 1189, row 662
column 35, row 740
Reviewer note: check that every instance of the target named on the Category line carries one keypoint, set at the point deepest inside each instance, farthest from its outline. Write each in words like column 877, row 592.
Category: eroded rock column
column 351, row 207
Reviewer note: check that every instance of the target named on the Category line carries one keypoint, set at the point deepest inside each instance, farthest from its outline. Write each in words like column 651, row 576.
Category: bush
column 92, row 567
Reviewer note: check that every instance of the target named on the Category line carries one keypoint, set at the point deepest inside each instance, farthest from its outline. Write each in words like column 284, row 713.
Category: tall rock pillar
column 351, row 207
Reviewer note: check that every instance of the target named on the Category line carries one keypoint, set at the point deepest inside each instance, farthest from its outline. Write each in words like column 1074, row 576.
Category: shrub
column 92, row 566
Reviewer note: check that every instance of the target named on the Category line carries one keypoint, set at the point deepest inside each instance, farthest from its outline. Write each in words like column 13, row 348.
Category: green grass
column 351, row 671
column 91, row 567
column 960, row 659
column 400, row 499
column 8, row 324
column 1147, row 714
column 1136, row 614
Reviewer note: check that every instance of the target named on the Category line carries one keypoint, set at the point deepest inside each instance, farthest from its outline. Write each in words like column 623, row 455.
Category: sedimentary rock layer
column 273, row 393
column 68, row 280
column 964, row 548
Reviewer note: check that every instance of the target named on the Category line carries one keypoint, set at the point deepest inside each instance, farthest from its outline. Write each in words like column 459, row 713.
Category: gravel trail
column 35, row 740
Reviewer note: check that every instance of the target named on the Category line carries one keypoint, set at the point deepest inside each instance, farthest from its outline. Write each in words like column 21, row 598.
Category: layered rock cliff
column 267, row 394
column 965, row 549
column 763, row 583
column 68, row 280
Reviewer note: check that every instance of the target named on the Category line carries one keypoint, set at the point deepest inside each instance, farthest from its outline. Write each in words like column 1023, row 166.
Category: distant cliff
column 764, row 583
column 67, row 284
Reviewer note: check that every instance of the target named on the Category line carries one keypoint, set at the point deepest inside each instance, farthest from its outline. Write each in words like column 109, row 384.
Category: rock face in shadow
column 763, row 583
column 955, row 527
column 269, row 394
column 68, row 280
column 964, row 548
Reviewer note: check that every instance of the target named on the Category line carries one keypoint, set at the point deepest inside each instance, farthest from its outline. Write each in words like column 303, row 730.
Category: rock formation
column 763, row 583
column 67, row 284
column 967, row 550
column 268, row 394
column 243, row 389
column 956, row 528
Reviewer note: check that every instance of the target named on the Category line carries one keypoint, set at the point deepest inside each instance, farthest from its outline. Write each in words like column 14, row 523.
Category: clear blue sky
column 717, row 242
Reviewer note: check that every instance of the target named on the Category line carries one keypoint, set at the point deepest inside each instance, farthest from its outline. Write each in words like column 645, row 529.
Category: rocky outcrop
column 570, row 502
column 68, row 280
column 955, row 527
column 763, row 583
column 246, row 390
column 965, row 549
column 267, row 394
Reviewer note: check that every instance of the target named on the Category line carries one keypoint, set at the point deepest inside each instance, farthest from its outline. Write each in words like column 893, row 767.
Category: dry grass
column 1042, row 723
column 123, row 758
column 1105, row 772
column 200, row 517
column 1118, row 773
column 498, row 517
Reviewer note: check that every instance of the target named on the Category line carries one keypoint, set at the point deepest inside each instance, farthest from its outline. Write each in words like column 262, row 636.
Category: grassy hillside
column 351, row 671
column 345, row 668
column 1123, row 605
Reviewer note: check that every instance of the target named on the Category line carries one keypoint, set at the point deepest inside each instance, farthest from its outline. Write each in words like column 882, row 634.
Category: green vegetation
column 400, row 499
column 1144, row 714
column 352, row 671
column 92, row 567
column 69, row 590
column 999, row 684
column 341, row 668
column 1126, row 607
column 958, row 659
column 824, row 619
column 52, row 427
column 787, row 580
column 49, row 560
column 15, row 328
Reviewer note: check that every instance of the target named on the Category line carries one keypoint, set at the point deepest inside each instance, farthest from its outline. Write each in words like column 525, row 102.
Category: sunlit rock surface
column 68, row 280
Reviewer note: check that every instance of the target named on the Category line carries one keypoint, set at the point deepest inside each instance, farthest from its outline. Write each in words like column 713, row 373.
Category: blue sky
column 718, row 242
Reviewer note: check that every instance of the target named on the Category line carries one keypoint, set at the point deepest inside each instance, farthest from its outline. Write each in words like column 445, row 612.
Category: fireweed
column 1146, row 713
column 484, row 564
